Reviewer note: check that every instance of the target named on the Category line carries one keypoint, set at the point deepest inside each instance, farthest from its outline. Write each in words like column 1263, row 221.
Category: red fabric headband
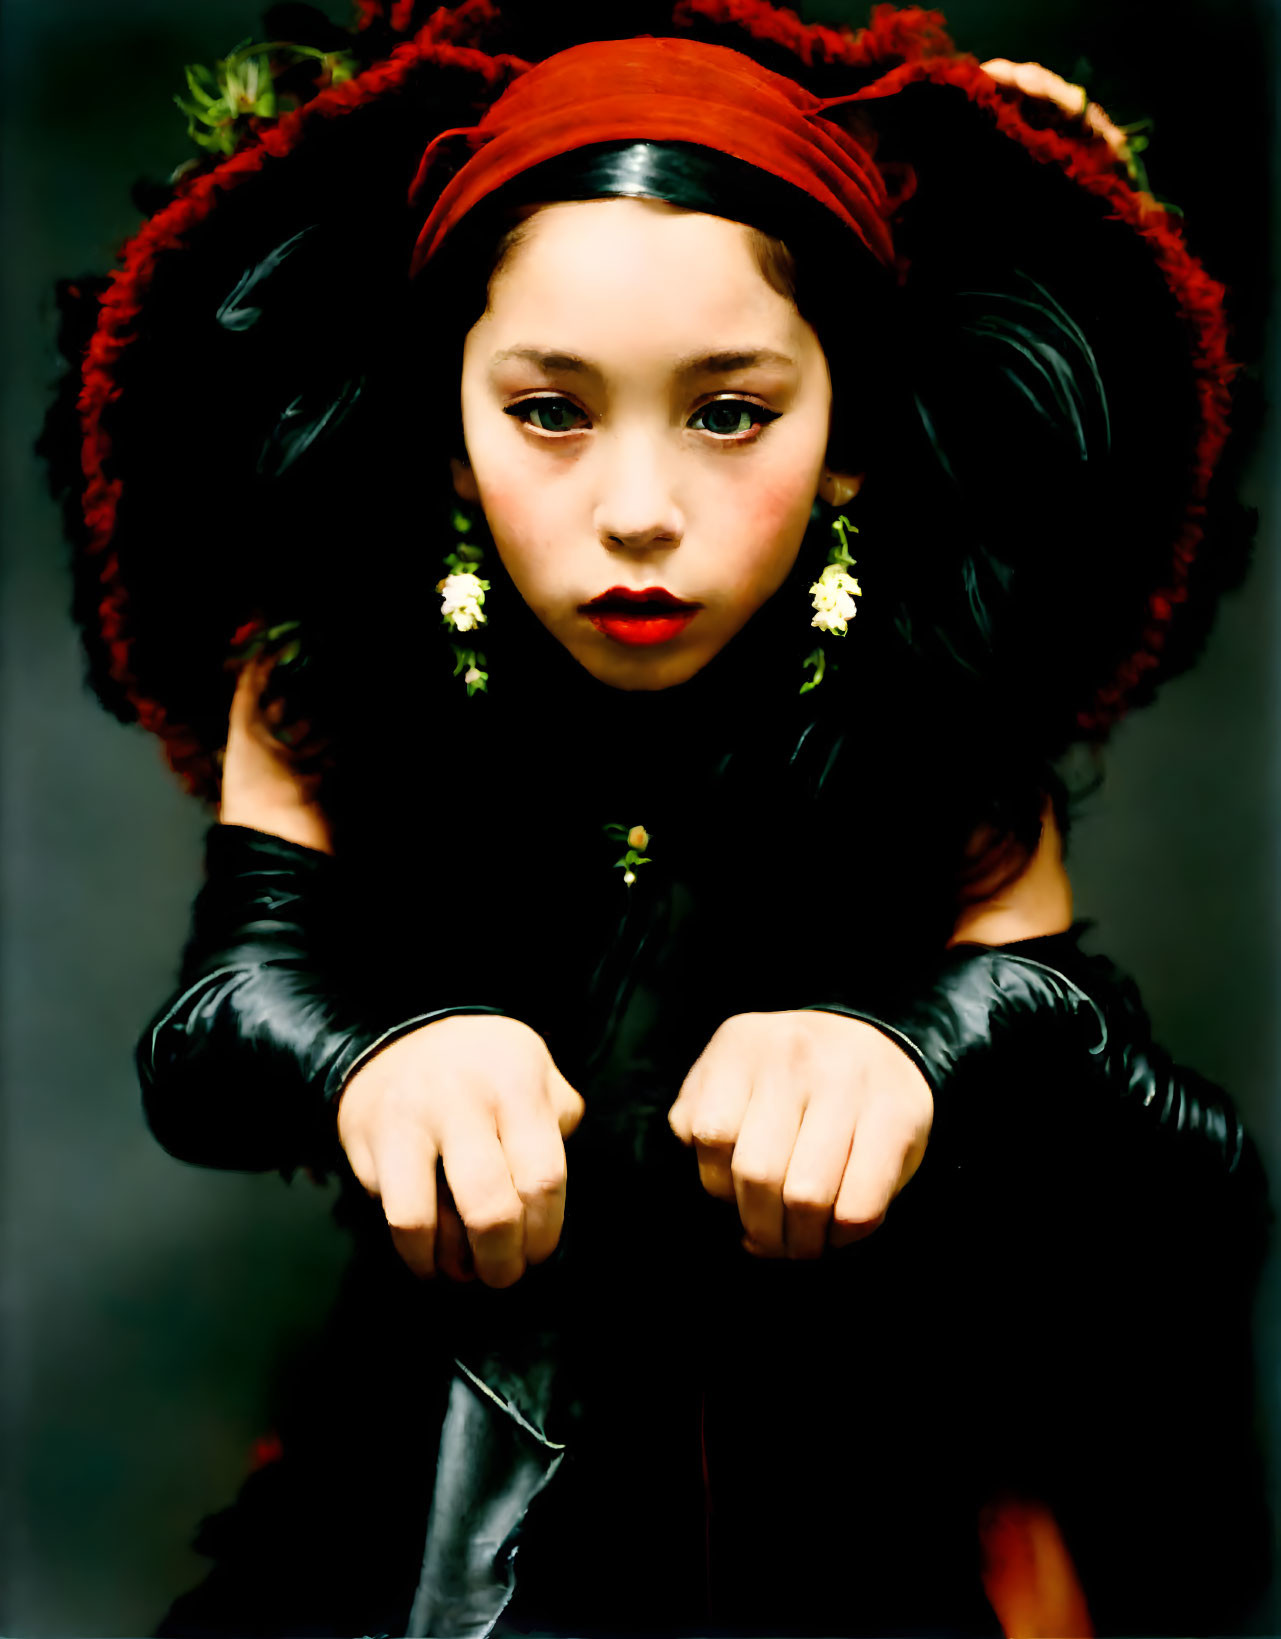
column 664, row 90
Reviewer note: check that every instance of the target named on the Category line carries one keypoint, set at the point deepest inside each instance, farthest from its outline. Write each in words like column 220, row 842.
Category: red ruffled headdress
column 900, row 49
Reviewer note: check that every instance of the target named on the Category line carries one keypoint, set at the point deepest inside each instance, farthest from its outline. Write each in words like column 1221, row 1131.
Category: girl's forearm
column 244, row 1065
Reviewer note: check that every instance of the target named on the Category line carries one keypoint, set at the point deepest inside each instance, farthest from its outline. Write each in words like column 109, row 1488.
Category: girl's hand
column 480, row 1095
column 811, row 1122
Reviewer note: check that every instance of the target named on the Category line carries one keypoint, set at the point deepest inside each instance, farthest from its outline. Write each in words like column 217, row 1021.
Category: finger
column 244, row 700
column 1030, row 78
column 814, row 1173
column 749, row 1245
column 566, row 1100
column 453, row 1249
column 535, row 1154
column 766, row 1139
column 883, row 1148
column 1035, row 80
column 359, row 1156
column 1024, row 77
column 716, row 1122
column 681, row 1114
column 487, row 1200
column 406, row 1185
column 1102, row 126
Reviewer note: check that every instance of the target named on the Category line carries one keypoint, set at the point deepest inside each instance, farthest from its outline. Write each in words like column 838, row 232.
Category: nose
column 637, row 510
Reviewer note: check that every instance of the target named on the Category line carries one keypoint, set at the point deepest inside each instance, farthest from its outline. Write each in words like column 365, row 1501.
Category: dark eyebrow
column 552, row 363
column 699, row 364
column 711, row 364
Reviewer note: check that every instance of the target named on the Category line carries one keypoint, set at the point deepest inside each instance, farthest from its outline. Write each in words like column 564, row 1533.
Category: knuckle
column 806, row 1199
column 709, row 1135
column 736, row 1027
column 495, row 1218
column 516, row 1080
column 404, row 1222
column 754, row 1175
column 410, row 1216
column 543, row 1185
column 859, row 1219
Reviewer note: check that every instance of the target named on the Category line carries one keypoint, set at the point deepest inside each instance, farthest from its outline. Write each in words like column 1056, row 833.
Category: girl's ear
column 836, row 488
column 464, row 480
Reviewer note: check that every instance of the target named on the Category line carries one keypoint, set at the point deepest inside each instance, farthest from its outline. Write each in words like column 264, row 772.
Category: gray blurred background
column 147, row 1304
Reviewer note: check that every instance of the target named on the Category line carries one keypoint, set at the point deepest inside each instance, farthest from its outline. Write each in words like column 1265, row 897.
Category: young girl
column 660, row 838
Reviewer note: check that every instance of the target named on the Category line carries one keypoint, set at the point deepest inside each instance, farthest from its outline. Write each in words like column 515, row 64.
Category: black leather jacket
column 1059, row 1305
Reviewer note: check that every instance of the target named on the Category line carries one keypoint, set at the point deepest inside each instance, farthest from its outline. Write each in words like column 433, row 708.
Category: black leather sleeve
column 976, row 1028
column 1097, row 1220
column 277, row 1007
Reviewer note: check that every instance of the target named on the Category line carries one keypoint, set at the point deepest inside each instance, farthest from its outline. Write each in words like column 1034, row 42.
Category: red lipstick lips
column 639, row 618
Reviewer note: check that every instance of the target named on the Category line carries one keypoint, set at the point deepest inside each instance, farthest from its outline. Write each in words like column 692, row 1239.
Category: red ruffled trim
column 410, row 17
column 893, row 34
column 121, row 304
column 913, row 40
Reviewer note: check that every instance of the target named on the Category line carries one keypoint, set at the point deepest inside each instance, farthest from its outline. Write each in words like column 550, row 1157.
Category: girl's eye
column 734, row 418
column 545, row 415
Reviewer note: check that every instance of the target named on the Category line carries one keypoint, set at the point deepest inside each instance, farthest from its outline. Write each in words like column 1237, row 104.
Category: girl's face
column 642, row 412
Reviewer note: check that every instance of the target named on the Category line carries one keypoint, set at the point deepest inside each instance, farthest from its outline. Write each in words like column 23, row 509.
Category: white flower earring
column 462, row 604
column 834, row 591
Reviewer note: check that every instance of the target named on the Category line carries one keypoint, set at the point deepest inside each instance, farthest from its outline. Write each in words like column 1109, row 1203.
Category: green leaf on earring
column 818, row 659
column 842, row 528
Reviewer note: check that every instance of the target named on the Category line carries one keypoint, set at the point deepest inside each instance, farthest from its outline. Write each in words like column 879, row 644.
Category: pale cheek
column 764, row 529
column 522, row 535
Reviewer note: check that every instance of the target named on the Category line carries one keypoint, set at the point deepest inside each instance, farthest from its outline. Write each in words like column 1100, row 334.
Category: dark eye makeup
column 554, row 410
column 731, row 420
column 741, row 414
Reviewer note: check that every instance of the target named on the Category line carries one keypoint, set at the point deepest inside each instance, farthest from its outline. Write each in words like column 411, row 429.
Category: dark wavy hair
column 921, row 384
column 997, row 414
column 965, row 640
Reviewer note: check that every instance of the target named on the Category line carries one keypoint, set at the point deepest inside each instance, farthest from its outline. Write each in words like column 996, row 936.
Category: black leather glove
column 993, row 1007
column 276, row 1011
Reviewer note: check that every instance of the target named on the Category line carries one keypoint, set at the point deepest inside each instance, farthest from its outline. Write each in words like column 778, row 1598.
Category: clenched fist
column 481, row 1095
column 810, row 1122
